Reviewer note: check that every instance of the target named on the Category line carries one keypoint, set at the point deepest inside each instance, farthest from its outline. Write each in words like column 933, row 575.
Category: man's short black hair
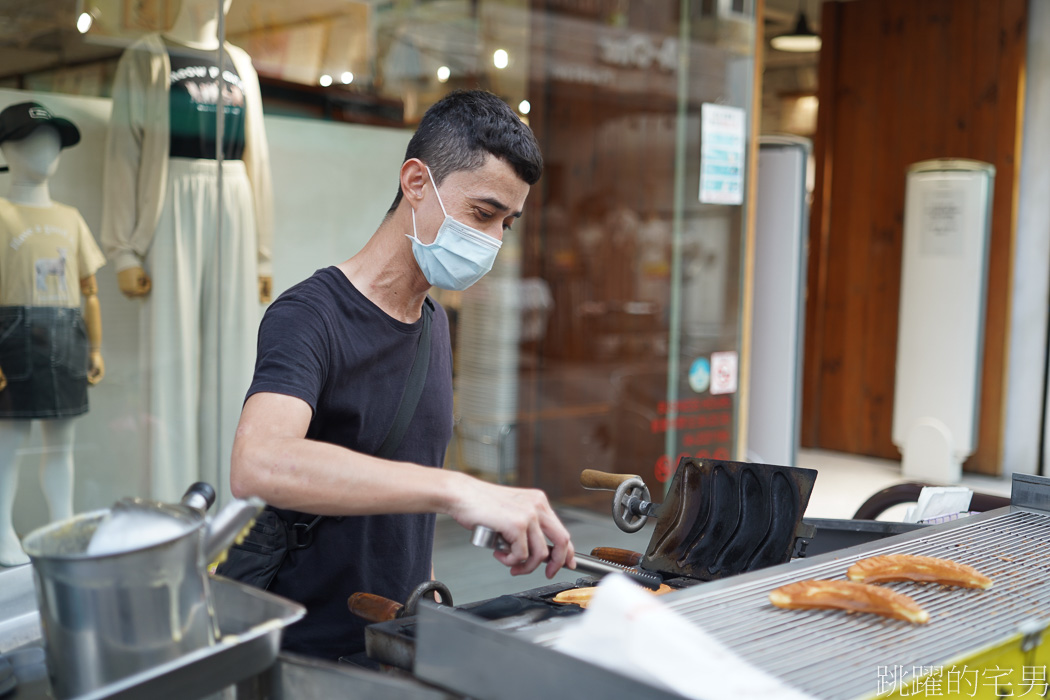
column 465, row 126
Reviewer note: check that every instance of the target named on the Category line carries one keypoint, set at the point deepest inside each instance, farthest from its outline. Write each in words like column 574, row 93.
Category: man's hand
column 134, row 282
column 523, row 517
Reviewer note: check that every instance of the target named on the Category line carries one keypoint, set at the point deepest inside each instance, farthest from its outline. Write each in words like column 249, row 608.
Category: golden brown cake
column 850, row 596
column 909, row 567
column 582, row 596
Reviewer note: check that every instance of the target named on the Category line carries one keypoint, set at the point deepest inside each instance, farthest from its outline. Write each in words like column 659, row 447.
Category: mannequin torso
column 195, row 26
column 32, row 161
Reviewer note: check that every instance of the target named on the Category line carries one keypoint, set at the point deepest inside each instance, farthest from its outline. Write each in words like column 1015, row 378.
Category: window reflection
column 563, row 351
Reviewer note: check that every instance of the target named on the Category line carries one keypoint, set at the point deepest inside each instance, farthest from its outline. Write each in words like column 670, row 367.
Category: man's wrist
column 452, row 485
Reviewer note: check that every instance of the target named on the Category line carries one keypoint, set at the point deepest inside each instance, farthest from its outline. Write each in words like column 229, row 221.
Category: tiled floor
column 843, row 483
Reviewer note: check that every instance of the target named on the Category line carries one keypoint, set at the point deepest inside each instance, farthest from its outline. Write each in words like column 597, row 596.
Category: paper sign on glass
column 723, row 372
column 722, row 146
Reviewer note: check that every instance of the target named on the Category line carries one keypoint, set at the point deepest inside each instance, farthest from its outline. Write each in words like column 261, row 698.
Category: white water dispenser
column 940, row 341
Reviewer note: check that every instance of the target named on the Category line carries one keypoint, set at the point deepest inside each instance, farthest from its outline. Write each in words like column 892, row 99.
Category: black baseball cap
column 20, row 120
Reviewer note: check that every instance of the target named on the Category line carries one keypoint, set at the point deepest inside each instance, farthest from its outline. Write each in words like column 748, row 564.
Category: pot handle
column 224, row 529
column 200, row 496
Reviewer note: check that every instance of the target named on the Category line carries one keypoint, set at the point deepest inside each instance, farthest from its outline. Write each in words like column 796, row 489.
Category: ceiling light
column 524, row 106
column 801, row 40
column 84, row 23
column 443, row 73
column 347, row 78
column 500, row 59
column 326, row 80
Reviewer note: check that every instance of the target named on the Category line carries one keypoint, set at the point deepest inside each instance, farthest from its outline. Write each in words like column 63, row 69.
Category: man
column 335, row 353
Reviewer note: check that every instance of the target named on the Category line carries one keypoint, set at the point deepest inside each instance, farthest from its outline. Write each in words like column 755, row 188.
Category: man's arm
column 272, row 459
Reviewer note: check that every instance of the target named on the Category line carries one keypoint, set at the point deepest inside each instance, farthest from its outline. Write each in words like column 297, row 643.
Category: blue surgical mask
column 458, row 257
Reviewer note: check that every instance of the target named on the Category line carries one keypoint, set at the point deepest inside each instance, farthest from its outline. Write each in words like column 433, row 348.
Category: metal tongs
column 490, row 539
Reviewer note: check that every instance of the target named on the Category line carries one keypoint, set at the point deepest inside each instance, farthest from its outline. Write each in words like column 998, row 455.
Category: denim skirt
column 44, row 356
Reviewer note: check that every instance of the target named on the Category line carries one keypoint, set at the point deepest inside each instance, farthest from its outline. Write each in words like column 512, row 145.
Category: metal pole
column 220, row 125
column 675, row 329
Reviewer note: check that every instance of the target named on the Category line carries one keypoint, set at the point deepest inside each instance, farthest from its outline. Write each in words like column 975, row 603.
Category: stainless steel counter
column 246, row 660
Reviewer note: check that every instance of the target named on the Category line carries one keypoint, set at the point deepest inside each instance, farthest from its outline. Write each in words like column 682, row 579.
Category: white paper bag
column 632, row 632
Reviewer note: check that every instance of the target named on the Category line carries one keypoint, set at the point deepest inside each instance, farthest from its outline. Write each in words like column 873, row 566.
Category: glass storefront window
column 608, row 334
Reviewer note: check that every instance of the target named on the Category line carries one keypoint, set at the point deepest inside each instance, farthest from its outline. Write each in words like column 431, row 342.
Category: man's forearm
column 274, row 461
column 318, row 477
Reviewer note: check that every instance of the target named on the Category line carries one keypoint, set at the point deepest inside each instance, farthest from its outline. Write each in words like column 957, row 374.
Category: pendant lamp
column 801, row 40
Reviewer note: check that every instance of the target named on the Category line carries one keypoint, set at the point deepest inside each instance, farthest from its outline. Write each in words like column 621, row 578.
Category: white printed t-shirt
column 46, row 251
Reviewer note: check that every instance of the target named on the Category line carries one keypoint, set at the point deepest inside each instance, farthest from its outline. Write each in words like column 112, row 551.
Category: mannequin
column 199, row 281
column 33, row 229
column 197, row 24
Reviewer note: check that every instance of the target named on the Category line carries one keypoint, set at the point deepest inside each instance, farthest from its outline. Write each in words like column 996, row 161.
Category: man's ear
column 414, row 180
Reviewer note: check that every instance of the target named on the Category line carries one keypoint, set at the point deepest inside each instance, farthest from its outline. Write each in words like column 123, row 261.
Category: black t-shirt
column 191, row 104
column 327, row 344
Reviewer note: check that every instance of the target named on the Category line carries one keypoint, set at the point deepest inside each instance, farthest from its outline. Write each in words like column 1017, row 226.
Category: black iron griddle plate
column 723, row 518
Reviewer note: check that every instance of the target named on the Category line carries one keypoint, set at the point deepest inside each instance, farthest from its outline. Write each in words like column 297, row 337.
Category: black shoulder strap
column 417, row 377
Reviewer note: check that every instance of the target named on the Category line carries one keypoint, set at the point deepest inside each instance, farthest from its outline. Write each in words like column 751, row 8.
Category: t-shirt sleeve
column 293, row 355
column 89, row 256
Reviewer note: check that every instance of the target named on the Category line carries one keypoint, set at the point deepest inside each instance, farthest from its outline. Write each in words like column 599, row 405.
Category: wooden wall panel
column 896, row 83
column 819, row 238
column 1010, row 92
column 846, row 418
column 902, row 81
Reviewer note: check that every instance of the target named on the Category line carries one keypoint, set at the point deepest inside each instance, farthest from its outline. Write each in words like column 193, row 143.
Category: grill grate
column 833, row 654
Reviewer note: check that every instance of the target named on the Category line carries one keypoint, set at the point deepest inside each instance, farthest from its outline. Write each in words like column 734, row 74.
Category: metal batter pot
column 107, row 617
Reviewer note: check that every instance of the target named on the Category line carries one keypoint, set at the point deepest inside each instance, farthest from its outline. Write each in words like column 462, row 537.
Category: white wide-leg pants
column 199, row 325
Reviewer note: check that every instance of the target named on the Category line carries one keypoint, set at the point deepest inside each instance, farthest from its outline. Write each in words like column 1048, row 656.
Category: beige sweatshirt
column 137, row 145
